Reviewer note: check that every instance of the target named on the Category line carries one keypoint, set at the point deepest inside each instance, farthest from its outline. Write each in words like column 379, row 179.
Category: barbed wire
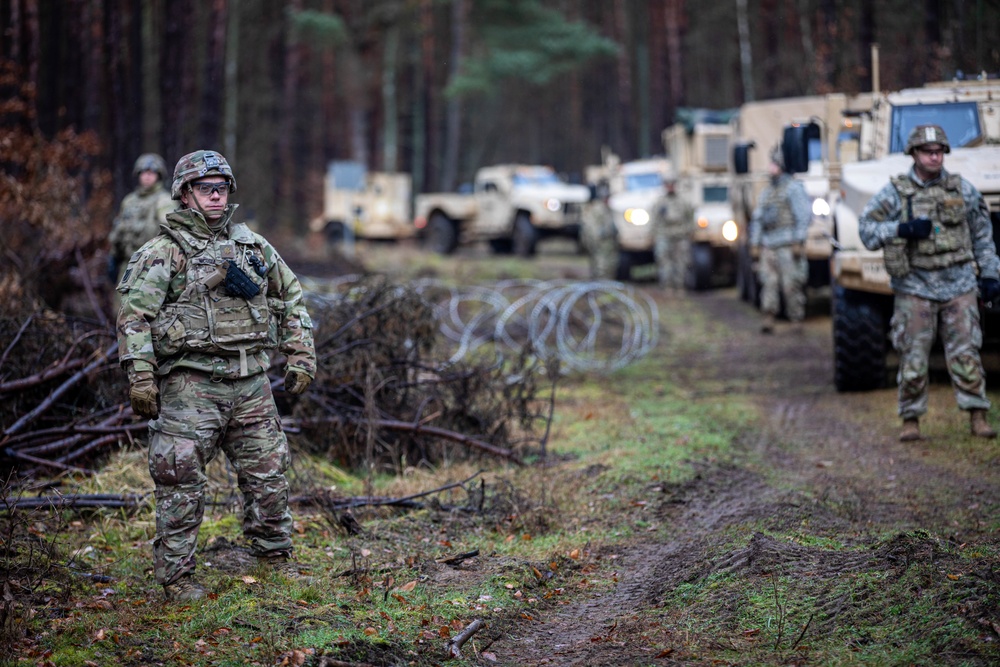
column 594, row 326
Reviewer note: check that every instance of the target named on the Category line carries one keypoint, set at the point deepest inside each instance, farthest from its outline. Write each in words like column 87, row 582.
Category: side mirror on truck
column 741, row 157
column 798, row 142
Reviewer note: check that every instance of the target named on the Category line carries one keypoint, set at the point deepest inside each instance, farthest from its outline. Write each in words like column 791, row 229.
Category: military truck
column 511, row 206
column 969, row 111
column 635, row 187
column 698, row 148
column 365, row 205
column 761, row 125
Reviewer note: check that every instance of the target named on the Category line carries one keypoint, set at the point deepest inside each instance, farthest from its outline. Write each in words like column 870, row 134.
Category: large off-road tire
column 442, row 234
column 626, row 260
column 699, row 270
column 525, row 236
column 860, row 344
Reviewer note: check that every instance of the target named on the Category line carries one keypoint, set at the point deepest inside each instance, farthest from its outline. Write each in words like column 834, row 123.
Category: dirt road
column 827, row 462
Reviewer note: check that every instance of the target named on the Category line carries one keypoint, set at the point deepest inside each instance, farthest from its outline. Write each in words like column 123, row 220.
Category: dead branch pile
column 381, row 398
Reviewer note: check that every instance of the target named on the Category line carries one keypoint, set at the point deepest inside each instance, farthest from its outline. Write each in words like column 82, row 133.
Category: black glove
column 112, row 270
column 989, row 290
column 918, row 228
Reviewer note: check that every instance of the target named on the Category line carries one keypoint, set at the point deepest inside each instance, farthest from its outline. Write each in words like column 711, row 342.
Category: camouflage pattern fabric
column 599, row 238
column 878, row 225
column 671, row 241
column 782, row 214
column 781, row 272
column 199, row 417
column 212, row 400
column 914, row 327
column 139, row 218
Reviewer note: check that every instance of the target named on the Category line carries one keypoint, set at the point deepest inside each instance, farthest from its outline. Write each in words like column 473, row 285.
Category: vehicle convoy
column 511, row 206
column 969, row 112
column 636, row 187
column 759, row 126
column 698, row 148
column 365, row 205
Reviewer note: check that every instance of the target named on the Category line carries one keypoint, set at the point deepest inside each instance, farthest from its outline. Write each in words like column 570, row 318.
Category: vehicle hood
column 564, row 192
column 644, row 199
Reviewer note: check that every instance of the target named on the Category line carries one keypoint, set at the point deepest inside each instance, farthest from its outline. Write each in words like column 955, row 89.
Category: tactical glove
column 755, row 252
column 989, row 290
column 144, row 395
column 918, row 228
column 296, row 382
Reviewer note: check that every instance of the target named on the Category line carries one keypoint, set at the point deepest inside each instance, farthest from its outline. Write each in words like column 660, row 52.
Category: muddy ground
column 831, row 462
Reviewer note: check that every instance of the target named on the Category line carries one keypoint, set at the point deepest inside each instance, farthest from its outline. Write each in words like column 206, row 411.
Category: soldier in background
column 937, row 236
column 671, row 240
column 203, row 305
column 777, row 238
column 598, row 235
column 141, row 213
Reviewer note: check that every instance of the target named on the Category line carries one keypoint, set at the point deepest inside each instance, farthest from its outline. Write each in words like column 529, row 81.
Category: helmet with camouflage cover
column 198, row 164
column 150, row 162
column 922, row 135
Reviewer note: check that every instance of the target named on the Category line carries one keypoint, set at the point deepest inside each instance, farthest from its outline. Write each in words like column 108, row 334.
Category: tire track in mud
column 826, row 448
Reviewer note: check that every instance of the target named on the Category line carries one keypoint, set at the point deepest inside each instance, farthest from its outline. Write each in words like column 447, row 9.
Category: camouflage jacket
column 156, row 282
column 597, row 224
column 139, row 218
column 878, row 225
column 670, row 218
column 782, row 215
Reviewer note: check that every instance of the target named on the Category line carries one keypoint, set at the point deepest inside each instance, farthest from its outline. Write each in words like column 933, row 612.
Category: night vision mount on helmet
column 197, row 165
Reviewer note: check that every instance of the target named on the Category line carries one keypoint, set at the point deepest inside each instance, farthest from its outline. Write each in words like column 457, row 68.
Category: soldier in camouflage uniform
column 777, row 237
column 203, row 304
column 141, row 213
column 936, row 234
column 598, row 234
column 671, row 240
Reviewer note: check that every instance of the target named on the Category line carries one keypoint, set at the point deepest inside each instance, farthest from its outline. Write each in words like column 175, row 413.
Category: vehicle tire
column 699, row 270
column 524, row 237
column 860, row 344
column 500, row 246
column 623, row 272
column 442, row 234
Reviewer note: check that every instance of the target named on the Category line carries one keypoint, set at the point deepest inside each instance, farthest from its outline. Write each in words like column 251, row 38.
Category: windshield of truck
column 714, row 194
column 646, row 181
column 536, row 178
column 960, row 121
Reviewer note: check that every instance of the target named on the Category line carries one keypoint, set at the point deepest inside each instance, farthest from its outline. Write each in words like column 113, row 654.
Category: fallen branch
column 104, row 500
column 457, row 558
column 453, row 647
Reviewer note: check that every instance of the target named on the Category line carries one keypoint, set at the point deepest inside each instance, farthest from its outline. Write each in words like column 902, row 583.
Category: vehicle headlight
column 730, row 231
column 637, row 216
column 820, row 207
column 553, row 204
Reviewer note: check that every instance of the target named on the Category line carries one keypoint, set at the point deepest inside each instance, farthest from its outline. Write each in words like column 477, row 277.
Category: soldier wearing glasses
column 937, row 240
column 203, row 306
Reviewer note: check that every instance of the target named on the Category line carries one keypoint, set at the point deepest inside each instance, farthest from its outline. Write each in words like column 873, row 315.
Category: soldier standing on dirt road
column 598, row 234
column 202, row 306
column 936, row 233
column 671, row 240
column 777, row 237
column 141, row 213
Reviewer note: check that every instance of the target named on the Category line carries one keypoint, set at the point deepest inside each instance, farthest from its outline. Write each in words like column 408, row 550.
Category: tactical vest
column 205, row 318
column 776, row 211
column 950, row 241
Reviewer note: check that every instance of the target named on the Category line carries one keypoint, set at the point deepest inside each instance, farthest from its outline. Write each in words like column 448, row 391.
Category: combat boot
column 979, row 426
column 184, row 589
column 283, row 566
column 770, row 321
column 911, row 430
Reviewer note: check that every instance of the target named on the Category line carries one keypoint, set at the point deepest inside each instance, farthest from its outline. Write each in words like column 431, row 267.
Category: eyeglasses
column 208, row 189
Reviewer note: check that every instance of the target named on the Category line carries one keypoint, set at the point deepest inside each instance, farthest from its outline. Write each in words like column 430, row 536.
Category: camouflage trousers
column 603, row 258
column 915, row 325
column 781, row 272
column 197, row 418
column 672, row 254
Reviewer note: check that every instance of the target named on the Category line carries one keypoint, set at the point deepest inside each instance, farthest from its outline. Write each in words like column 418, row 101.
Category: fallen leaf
column 247, row 579
column 369, row 631
column 574, row 554
column 954, row 577
column 489, row 656
column 408, row 586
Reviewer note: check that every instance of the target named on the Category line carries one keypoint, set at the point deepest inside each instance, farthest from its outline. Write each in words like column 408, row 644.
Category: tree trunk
column 390, row 111
column 453, row 113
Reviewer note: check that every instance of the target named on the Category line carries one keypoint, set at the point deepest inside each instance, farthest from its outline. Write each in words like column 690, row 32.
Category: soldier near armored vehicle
column 936, row 235
column 141, row 213
column 777, row 237
column 203, row 306
column 598, row 234
column 671, row 240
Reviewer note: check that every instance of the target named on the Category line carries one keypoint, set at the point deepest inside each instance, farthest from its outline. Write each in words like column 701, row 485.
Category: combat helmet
column 198, row 164
column 922, row 135
column 150, row 162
